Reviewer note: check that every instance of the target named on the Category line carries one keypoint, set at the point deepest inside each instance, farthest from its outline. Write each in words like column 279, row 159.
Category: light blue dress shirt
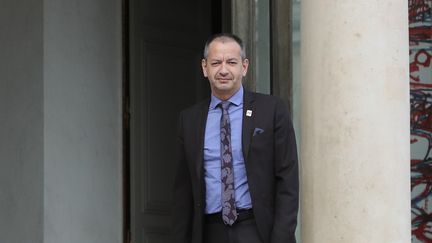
column 212, row 161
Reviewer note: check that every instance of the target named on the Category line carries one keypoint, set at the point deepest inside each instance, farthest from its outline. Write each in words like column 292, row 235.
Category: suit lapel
column 202, row 116
column 248, row 122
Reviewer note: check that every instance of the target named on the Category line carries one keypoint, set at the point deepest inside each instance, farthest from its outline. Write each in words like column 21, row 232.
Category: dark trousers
column 242, row 231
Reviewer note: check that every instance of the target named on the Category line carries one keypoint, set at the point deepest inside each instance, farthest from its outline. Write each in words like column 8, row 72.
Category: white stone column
column 355, row 153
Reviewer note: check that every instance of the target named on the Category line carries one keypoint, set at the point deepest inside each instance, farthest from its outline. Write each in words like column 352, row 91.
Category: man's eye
column 214, row 63
column 232, row 63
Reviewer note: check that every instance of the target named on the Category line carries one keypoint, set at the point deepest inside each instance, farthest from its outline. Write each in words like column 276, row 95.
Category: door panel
column 166, row 42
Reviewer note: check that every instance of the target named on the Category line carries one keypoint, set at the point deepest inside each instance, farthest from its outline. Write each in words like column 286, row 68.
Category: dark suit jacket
column 269, row 150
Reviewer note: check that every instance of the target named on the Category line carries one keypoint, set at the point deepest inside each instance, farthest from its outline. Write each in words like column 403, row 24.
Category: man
column 237, row 177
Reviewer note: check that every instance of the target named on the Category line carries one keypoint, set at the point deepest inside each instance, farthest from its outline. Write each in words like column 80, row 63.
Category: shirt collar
column 236, row 99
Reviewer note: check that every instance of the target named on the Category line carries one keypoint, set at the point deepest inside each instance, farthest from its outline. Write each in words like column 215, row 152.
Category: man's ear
column 203, row 66
column 245, row 64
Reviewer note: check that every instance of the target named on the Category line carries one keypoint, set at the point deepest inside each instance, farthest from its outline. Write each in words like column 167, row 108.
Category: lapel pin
column 249, row 113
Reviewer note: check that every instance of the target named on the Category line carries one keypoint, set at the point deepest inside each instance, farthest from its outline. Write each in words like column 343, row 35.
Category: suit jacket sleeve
column 286, row 175
column 182, row 209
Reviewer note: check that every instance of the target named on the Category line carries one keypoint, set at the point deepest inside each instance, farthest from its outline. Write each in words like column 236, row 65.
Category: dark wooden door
column 166, row 42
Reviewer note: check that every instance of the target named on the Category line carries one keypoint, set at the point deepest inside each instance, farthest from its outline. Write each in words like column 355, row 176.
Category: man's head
column 224, row 64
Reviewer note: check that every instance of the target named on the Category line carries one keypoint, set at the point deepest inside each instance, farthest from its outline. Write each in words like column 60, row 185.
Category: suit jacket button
column 198, row 205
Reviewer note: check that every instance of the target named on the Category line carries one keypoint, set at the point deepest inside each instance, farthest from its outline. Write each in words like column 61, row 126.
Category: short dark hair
column 222, row 37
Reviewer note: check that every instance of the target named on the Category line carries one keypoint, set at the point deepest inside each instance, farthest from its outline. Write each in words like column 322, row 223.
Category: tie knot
column 224, row 105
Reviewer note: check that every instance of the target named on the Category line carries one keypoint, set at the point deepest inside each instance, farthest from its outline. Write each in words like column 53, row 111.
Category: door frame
column 126, row 229
column 244, row 22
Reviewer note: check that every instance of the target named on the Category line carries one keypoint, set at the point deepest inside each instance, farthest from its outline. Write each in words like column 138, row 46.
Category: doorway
column 166, row 40
column 164, row 44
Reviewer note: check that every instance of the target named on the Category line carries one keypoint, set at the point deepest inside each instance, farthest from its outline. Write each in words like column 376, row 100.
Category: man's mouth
column 224, row 79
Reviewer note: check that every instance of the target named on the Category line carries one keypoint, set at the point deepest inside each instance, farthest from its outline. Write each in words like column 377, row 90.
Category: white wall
column 60, row 121
column 82, row 135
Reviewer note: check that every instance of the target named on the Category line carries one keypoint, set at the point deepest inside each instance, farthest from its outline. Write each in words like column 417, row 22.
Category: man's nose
column 223, row 70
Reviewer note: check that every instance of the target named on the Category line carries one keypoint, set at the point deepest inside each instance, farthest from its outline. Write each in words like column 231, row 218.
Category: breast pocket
column 262, row 139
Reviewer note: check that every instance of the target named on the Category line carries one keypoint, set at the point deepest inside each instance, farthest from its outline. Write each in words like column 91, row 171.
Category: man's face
column 224, row 68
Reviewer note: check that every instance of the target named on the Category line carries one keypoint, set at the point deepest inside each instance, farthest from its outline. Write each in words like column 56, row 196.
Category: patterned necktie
column 229, row 213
